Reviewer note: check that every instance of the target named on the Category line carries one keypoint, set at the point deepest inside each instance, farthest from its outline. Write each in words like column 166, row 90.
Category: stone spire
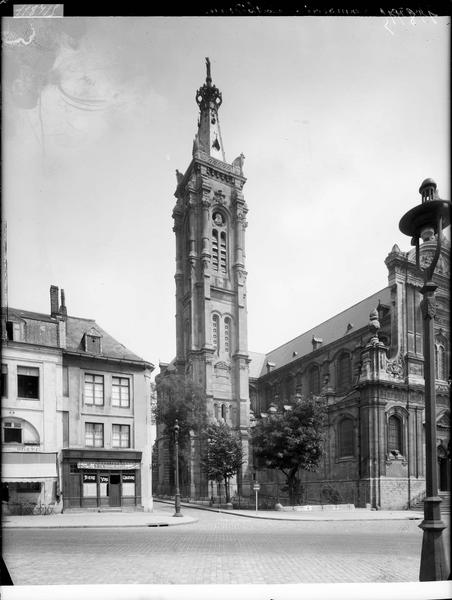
column 208, row 139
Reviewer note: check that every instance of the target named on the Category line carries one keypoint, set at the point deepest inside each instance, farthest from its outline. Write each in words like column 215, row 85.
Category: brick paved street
column 218, row 549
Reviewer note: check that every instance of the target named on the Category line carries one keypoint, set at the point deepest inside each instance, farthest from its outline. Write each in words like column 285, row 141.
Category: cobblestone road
column 218, row 549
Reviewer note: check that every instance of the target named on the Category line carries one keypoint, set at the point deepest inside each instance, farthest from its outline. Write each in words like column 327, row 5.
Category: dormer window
column 93, row 341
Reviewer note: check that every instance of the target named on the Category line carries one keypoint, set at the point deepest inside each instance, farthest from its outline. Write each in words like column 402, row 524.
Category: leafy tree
column 179, row 398
column 292, row 440
column 224, row 455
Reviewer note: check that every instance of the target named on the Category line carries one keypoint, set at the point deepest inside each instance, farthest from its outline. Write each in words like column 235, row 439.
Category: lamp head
column 422, row 221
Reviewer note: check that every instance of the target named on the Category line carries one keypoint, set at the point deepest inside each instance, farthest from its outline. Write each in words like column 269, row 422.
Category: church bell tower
column 211, row 314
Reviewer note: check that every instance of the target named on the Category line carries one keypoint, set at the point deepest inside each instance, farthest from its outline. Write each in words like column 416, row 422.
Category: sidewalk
column 357, row 514
column 163, row 517
column 94, row 519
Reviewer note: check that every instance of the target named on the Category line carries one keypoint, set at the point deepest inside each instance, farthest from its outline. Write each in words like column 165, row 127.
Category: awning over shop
column 28, row 466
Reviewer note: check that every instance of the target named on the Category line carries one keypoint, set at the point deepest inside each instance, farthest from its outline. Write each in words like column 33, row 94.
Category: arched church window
column 344, row 372
column 187, row 336
column 223, row 253
column 215, row 332
column 314, row 380
column 223, row 411
column 346, row 438
column 395, row 435
column 227, row 335
column 440, row 362
column 215, row 250
column 219, row 244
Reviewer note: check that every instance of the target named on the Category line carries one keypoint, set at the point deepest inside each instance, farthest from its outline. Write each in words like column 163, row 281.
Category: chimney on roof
column 270, row 366
column 53, row 300
column 63, row 309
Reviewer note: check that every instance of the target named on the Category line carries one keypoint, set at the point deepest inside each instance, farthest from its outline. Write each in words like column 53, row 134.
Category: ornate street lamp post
column 424, row 221
column 176, row 471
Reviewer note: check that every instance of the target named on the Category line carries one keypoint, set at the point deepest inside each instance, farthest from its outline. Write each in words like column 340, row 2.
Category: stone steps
column 444, row 506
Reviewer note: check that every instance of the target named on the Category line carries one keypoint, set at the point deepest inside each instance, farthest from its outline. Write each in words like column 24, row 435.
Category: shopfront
column 101, row 479
column 29, row 480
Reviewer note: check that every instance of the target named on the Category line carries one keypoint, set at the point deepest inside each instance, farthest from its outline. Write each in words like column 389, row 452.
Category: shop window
column 345, row 434
column 28, row 382
column 94, row 435
column 314, row 380
column 121, row 436
column 89, row 485
column 128, row 484
column 395, row 435
column 103, row 485
column 120, row 392
column 28, row 487
column 94, row 389
column 4, row 381
column 12, row 432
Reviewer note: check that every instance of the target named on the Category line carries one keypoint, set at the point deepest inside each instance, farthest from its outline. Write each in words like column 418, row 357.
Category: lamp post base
column 434, row 565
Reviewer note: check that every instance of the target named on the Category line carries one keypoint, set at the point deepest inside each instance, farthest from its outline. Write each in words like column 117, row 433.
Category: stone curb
column 70, row 524
column 94, row 526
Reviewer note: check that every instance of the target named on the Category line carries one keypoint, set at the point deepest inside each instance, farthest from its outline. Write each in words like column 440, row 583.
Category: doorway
column 115, row 489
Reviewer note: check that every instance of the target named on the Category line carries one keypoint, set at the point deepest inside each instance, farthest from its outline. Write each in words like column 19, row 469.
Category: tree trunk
column 293, row 486
column 226, row 489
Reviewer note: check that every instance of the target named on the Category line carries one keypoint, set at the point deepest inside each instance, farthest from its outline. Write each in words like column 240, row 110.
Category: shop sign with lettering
column 89, row 478
column 103, row 478
column 128, row 477
column 108, row 465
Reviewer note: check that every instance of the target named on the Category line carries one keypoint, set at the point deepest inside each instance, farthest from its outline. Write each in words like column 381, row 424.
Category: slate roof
column 329, row 331
column 257, row 364
column 76, row 327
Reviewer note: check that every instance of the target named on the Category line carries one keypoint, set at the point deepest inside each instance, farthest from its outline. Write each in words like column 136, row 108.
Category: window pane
column 94, row 389
column 346, row 437
column 28, row 386
column 395, row 434
column 120, row 391
column 4, row 389
column 12, row 435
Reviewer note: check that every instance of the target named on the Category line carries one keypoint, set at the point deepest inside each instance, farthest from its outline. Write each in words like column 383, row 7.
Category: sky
column 340, row 119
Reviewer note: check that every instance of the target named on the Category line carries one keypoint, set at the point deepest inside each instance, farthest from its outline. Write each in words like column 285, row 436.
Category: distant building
column 371, row 376
column 75, row 413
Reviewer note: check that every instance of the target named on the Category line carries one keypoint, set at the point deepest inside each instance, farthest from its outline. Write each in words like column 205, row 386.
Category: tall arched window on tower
column 219, row 244
column 215, row 333
column 227, row 335
column 223, row 253
column 215, row 250
column 314, row 380
column 440, row 361
column 395, row 435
